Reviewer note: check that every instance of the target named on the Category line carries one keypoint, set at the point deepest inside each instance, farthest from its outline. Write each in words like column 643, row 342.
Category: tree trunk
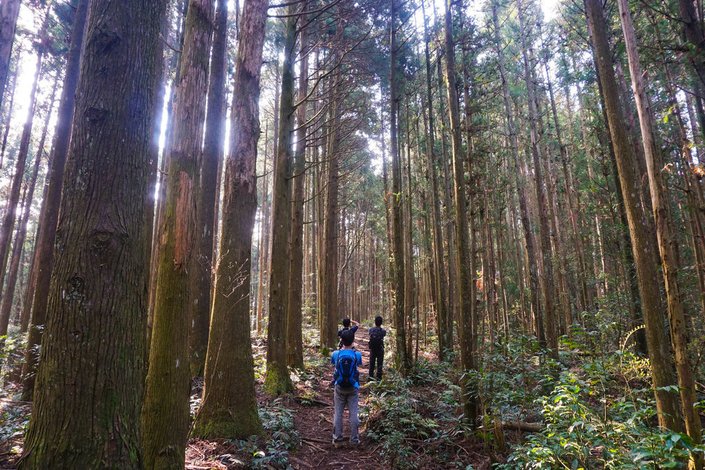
column 9, row 11
column 639, row 227
column 49, row 215
column 229, row 407
column 445, row 324
column 465, row 265
column 18, row 245
column 550, row 315
column 202, row 261
column 8, row 223
column 667, row 242
column 165, row 415
column 402, row 360
column 277, row 379
column 295, row 355
column 521, row 189
column 329, row 260
column 90, row 380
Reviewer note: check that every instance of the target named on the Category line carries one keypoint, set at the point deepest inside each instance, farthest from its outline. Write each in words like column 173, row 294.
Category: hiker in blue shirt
column 347, row 384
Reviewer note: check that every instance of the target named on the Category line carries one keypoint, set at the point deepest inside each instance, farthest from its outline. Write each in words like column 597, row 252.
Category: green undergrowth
column 272, row 449
column 595, row 408
column 415, row 421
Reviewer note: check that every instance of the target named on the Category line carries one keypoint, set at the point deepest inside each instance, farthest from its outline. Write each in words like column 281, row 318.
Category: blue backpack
column 346, row 369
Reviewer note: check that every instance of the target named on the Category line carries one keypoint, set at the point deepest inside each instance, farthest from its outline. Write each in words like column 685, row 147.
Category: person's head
column 346, row 322
column 348, row 338
column 378, row 320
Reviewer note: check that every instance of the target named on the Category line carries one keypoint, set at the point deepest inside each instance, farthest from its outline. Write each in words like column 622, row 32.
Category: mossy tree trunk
column 202, row 261
column 667, row 241
column 640, row 227
column 277, row 378
column 89, row 384
column 229, row 407
column 165, row 416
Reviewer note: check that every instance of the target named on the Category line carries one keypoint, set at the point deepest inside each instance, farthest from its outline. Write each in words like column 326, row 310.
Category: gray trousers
column 343, row 397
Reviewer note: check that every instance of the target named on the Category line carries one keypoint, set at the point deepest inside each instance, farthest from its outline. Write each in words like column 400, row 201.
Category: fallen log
column 520, row 426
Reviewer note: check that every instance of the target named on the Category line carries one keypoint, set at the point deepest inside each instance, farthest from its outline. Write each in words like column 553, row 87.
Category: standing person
column 347, row 385
column 377, row 334
column 347, row 327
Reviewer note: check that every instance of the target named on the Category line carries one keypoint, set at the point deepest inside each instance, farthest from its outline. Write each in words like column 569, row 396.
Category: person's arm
column 354, row 323
column 354, row 328
column 359, row 358
column 332, row 357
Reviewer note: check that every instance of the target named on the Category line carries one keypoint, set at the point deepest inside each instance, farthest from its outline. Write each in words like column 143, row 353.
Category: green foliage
column 598, row 412
column 582, row 432
column 281, row 437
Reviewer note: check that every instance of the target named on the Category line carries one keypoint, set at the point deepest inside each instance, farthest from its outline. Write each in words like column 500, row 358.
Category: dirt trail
column 315, row 425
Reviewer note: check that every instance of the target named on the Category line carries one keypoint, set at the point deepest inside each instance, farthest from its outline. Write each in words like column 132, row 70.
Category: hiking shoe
column 355, row 443
column 338, row 442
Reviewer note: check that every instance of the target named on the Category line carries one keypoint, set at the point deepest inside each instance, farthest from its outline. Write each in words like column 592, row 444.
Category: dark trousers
column 376, row 357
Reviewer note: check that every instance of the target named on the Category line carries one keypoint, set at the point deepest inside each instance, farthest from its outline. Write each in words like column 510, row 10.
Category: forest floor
column 400, row 424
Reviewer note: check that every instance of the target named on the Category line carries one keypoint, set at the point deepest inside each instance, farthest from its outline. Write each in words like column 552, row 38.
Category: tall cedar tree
column 202, row 268
column 295, row 357
column 229, row 408
column 667, row 242
column 89, row 383
column 402, row 359
column 640, row 227
column 165, row 416
column 277, row 378
column 550, row 318
column 465, row 264
column 445, row 323
column 49, row 215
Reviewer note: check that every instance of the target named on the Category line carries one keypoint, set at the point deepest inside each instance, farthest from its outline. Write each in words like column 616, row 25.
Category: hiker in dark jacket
column 347, row 384
column 347, row 327
column 377, row 334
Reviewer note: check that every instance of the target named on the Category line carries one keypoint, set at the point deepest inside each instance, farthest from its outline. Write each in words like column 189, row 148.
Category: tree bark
column 202, row 262
column 639, row 227
column 229, row 407
column 465, row 265
column 550, row 316
column 165, row 415
column 49, row 215
column 402, row 359
column 445, row 324
column 90, row 380
column 295, row 356
column 277, row 379
column 667, row 242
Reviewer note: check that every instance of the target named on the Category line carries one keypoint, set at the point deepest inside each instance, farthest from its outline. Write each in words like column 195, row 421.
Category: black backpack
column 345, row 369
column 376, row 338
